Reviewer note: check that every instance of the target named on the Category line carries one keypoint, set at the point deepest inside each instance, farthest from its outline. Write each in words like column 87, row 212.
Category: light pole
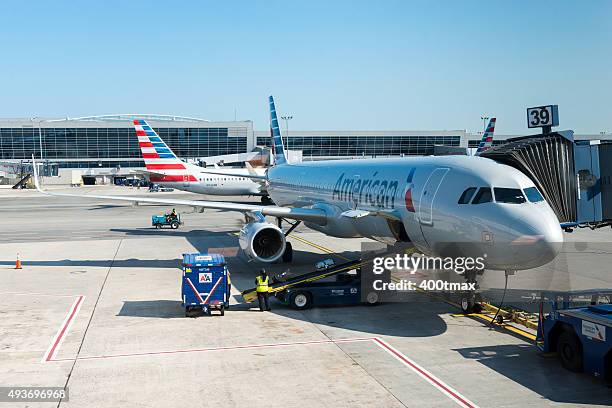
column 39, row 134
column 32, row 119
column 484, row 122
column 287, row 119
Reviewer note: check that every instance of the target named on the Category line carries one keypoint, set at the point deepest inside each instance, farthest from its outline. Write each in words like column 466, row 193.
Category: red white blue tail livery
column 487, row 138
column 159, row 160
column 164, row 167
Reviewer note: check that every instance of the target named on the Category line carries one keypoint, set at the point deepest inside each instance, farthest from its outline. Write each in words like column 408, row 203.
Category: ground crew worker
column 172, row 216
column 262, row 290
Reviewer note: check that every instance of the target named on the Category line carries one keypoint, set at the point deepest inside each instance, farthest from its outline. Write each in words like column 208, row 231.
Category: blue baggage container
column 206, row 283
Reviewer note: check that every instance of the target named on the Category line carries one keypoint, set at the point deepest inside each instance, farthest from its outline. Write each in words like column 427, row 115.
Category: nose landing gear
column 469, row 301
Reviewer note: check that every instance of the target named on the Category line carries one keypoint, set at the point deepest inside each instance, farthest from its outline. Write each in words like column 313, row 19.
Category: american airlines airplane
column 165, row 168
column 438, row 203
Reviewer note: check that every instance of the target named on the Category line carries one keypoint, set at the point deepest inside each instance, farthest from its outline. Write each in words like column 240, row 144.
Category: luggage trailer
column 205, row 284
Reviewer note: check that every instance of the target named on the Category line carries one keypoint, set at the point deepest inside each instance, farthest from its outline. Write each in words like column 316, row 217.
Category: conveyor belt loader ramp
column 250, row 295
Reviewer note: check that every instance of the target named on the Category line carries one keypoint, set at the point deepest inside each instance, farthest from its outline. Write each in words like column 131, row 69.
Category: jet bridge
column 573, row 176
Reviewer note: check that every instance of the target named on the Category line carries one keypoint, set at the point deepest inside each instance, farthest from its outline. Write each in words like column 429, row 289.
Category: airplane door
column 430, row 189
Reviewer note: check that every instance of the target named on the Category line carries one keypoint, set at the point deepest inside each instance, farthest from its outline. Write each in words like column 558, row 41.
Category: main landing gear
column 266, row 200
column 288, row 254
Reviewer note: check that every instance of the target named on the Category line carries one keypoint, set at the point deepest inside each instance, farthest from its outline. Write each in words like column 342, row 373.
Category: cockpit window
column 509, row 195
column 467, row 195
column 483, row 196
column 533, row 195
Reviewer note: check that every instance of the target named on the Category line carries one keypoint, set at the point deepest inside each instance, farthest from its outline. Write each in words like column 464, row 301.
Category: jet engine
column 262, row 241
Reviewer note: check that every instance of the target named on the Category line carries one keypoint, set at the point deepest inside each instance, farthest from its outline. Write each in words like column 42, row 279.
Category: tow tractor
column 306, row 290
column 579, row 329
column 167, row 220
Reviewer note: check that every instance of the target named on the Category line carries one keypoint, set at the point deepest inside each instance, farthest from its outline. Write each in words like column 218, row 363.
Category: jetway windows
column 533, row 195
column 484, row 195
column 509, row 195
column 467, row 195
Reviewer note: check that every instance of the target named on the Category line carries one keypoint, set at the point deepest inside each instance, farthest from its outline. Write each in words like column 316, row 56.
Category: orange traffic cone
column 18, row 262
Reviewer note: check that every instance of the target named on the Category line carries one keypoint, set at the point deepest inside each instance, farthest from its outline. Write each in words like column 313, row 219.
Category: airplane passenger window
column 509, row 195
column 483, row 196
column 533, row 195
column 467, row 195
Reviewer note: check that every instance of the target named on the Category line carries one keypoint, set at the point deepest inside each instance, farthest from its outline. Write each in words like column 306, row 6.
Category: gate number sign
column 542, row 116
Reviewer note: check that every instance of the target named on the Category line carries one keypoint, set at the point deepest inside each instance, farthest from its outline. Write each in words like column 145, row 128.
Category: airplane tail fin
column 159, row 159
column 277, row 140
column 487, row 138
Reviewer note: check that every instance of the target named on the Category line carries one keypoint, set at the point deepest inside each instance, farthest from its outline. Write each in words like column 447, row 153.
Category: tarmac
column 96, row 308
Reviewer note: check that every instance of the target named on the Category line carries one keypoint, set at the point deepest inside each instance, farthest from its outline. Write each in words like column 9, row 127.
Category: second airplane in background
column 165, row 168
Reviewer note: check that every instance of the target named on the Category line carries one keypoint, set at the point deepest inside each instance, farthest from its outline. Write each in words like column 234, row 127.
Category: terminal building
column 107, row 144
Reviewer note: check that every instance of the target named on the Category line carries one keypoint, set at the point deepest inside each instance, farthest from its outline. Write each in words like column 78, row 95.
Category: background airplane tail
column 487, row 138
column 277, row 141
column 159, row 159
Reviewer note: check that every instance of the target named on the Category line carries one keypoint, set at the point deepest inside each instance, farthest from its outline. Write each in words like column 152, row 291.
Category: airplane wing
column 304, row 214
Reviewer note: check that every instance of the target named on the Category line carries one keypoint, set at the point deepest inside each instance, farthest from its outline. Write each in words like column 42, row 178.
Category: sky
column 332, row 65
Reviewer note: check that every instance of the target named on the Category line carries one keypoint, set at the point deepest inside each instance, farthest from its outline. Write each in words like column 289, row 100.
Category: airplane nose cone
column 540, row 239
column 552, row 241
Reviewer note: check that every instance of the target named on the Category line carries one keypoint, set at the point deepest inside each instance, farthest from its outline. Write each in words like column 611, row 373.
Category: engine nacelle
column 262, row 241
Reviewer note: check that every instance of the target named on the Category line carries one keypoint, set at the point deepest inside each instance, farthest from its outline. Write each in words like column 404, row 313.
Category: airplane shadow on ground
column 415, row 319
column 523, row 364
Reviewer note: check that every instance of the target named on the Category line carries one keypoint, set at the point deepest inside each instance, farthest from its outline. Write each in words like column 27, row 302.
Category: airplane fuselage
column 416, row 199
column 202, row 182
